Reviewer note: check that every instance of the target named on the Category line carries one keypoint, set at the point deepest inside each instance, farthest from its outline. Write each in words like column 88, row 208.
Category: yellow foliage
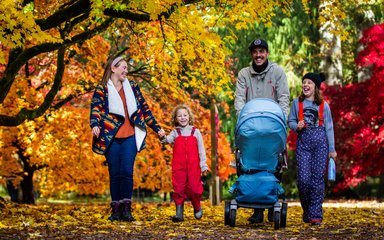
column 183, row 59
column 78, row 221
column 18, row 25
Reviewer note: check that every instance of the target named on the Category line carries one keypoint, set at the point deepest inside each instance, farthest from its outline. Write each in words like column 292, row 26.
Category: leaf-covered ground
column 342, row 220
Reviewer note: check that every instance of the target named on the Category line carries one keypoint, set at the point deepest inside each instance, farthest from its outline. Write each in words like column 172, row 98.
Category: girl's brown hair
column 177, row 108
column 318, row 98
column 108, row 69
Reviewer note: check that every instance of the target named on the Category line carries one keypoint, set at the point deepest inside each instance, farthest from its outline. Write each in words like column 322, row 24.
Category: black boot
column 270, row 214
column 126, row 210
column 257, row 216
column 179, row 217
column 115, row 211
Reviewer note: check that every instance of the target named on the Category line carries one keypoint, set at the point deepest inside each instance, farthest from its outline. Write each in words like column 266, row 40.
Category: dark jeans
column 121, row 158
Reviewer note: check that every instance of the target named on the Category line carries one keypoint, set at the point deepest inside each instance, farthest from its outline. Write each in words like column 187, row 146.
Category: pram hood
column 260, row 134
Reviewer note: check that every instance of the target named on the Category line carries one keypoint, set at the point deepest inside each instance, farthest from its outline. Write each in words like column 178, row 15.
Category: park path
column 342, row 220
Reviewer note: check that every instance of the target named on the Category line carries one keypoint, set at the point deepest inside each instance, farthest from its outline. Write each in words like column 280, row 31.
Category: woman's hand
column 96, row 131
column 161, row 133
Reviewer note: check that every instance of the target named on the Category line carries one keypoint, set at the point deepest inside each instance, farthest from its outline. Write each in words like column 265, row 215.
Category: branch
column 26, row 114
column 75, row 10
column 70, row 97
column 64, row 14
column 145, row 17
column 19, row 60
column 63, row 102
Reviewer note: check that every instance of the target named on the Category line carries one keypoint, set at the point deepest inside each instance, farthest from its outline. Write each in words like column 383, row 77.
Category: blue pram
column 260, row 139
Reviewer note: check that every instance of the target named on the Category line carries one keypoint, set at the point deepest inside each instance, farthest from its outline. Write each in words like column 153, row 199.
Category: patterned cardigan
column 109, row 123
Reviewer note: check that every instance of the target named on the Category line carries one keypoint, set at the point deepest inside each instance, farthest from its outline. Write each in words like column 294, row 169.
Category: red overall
column 186, row 170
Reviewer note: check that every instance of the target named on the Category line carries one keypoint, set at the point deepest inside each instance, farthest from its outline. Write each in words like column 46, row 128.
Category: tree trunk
column 27, row 188
column 330, row 50
column 214, row 184
column 14, row 192
column 363, row 19
column 380, row 190
column 26, row 184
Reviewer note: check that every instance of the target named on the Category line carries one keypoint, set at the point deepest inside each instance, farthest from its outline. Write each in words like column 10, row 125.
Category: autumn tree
column 32, row 28
column 52, row 143
column 298, row 35
column 39, row 41
column 359, row 124
column 51, row 55
column 357, row 112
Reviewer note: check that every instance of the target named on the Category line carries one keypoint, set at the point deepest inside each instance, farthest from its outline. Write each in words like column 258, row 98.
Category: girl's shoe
column 198, row 213
column 179, row 217
column 315, row 222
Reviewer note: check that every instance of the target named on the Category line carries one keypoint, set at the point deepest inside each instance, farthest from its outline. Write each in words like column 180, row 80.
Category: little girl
column 189, row 160
column 310, row 116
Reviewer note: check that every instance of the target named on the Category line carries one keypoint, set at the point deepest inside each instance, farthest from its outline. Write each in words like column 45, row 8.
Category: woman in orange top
column 119, row 115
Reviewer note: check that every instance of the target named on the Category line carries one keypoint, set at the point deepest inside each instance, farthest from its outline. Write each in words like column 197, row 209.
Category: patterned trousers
column 312, row 155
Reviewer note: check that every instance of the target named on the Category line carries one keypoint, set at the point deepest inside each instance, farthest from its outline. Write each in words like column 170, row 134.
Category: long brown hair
column 318, row 97
column 108, row 69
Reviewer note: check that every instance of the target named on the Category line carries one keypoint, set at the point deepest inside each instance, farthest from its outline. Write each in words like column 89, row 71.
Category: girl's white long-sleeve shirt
column 186, row 131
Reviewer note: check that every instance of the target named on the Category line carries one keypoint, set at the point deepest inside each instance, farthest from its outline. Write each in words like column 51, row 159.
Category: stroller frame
column 280, row 208
column 260, row 109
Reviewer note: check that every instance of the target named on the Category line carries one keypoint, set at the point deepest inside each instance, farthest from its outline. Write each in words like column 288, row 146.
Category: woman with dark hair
column 310, row 117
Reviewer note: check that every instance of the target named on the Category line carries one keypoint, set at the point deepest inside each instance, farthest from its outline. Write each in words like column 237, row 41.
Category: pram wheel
column 276, row 219
column 226, row 213
column 284, row 210
column 232, row 217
